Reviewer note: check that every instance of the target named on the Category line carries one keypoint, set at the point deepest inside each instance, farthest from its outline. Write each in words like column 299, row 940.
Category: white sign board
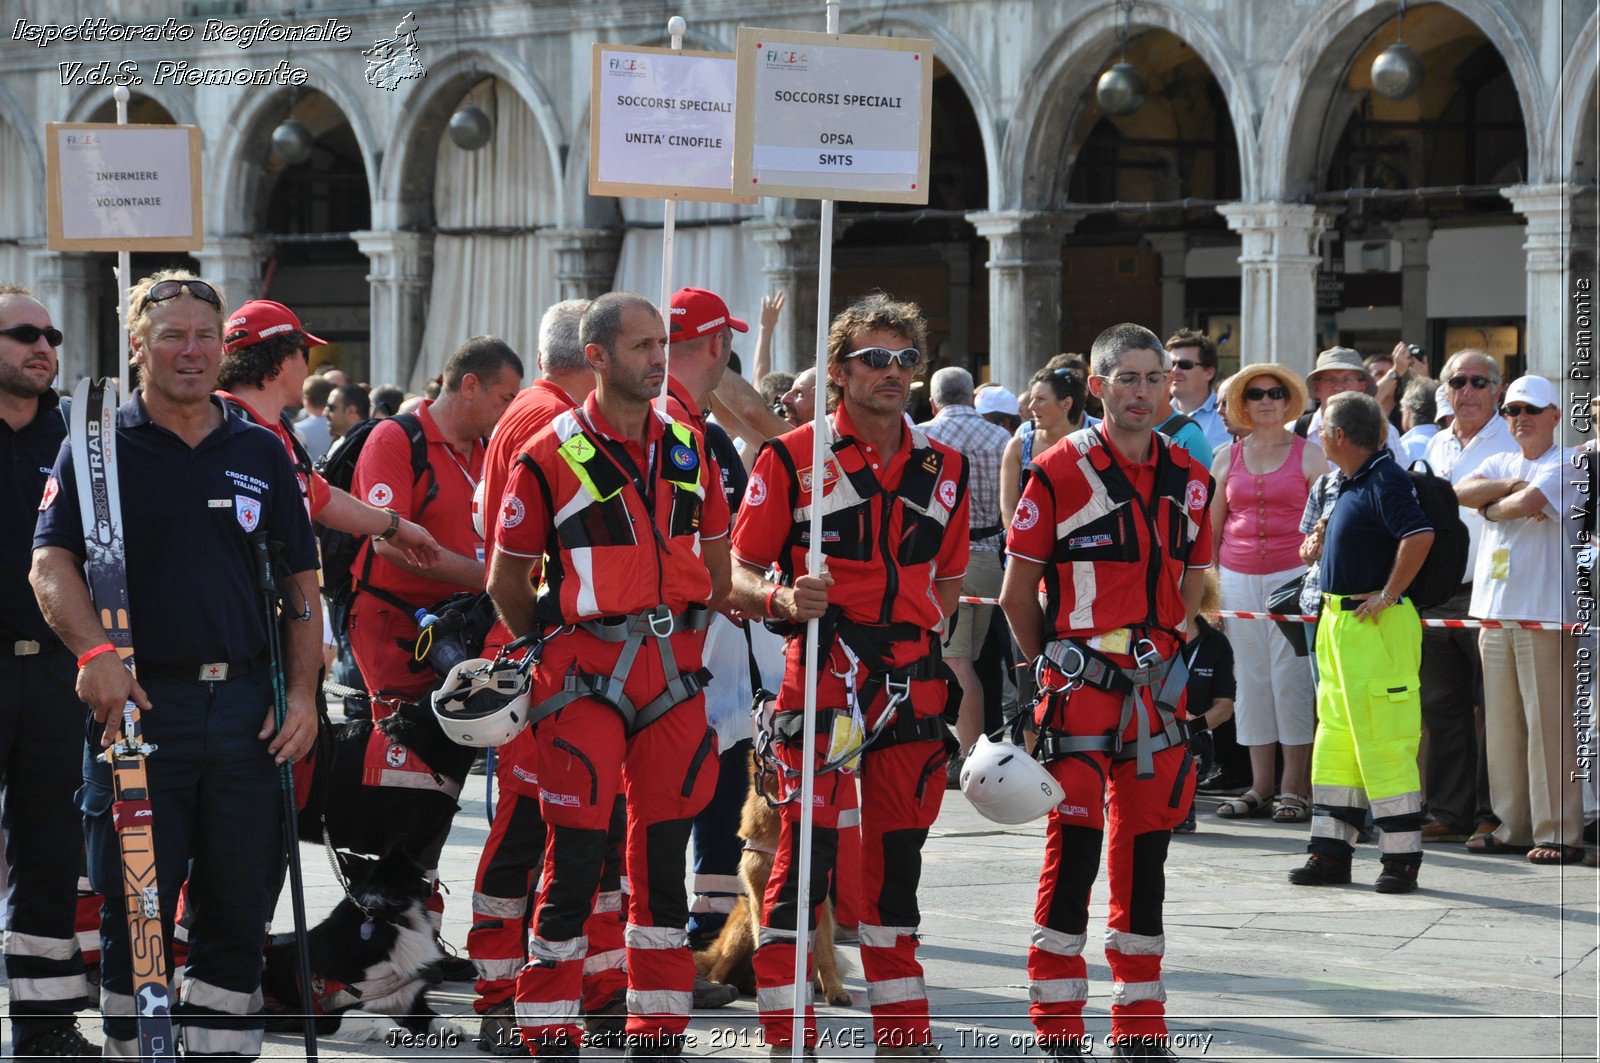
column 828, row 116
column 123, row 187
column 661, row 124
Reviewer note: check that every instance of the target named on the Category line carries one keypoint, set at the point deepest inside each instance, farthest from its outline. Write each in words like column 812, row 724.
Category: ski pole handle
column 265, row 580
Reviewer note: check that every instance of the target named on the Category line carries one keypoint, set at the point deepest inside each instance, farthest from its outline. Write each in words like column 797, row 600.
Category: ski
column 93, row 441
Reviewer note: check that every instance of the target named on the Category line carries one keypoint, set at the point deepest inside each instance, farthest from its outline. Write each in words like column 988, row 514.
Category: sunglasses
column 1257, row 394
column 880, row 357
column 1479, row 383
column 1186, row 364
column 28, row 335
column 1517, row 409
column 161, row 292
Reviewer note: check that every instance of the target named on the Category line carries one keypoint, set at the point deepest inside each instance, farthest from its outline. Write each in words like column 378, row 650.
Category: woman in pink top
column 1262, row 482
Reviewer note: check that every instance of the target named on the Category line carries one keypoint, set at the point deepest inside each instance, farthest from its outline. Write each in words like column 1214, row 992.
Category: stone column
column 1548, row 245
column 1413, row 234
column 586, row 261
column 958, row 268
column 1024, row 289
column 1278, row 262
column 65, row 283
column 789, row 249
column 235, row 263
column 401, row 273
column 1172, row 247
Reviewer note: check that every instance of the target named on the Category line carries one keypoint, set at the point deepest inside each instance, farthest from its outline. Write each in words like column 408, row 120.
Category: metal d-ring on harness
column 1081, row 665
column 658, row 623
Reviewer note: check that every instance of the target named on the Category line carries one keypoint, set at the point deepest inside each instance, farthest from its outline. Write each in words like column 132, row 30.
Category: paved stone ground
column 1492, row 959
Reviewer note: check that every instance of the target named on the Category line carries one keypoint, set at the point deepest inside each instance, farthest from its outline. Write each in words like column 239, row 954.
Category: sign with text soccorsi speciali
column 123, row 187
column 661, row 124
column 831, row 116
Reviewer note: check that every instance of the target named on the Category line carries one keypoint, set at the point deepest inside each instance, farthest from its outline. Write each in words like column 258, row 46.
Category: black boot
column 1399, row 876
column 63, row 1041
column 607, row 1025
column 1069, row 1050
column 1320, row 869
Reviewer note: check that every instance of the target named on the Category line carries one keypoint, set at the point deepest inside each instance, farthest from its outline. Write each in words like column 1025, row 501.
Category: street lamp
column 292, row 142
column 1397, row 72
column 1121, row 90
column 470, row 128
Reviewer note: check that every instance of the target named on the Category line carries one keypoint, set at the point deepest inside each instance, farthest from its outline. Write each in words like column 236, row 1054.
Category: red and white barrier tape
column 1237, row 614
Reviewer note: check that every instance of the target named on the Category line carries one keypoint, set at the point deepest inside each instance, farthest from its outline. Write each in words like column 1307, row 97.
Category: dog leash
column 344, row 883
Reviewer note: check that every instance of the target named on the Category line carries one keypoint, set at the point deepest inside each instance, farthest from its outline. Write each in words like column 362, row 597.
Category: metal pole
column 124, row 269
column 808, row 773
column 669, row 227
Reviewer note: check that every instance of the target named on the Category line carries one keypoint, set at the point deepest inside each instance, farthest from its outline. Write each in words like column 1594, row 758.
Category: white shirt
column 1415, row 442
column 1456, row 462
column 1209, row 418
column 1524, row 570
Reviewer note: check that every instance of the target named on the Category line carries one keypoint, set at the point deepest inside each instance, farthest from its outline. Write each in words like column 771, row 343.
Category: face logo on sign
column 51, row 489
column 947, row 494
column 683, row 457
column 1027, row 515
column 755, row 492
column 248, row 510
column 1197, row 495
column 380, row 495
column 511, row 512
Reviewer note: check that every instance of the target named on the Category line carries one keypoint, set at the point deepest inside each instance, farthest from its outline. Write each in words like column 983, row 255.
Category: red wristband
column 89, row 655
column 770, row 595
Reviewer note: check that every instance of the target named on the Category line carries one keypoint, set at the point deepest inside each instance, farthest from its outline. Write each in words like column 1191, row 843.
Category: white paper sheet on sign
column 665, row 123
column 834, row 115
column 130, row 183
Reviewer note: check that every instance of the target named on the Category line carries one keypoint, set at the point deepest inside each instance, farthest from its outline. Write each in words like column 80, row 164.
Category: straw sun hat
column 1237, row 406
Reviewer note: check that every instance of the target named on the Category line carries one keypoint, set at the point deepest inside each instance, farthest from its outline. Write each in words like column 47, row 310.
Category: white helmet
column 477, row 508
column 1006, row 785
column 481, row 705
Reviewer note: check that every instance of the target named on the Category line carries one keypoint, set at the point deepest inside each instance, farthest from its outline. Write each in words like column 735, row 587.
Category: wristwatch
column 394, row 526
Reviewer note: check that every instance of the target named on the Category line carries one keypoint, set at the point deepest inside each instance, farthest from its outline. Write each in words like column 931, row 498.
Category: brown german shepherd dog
column 728, row 958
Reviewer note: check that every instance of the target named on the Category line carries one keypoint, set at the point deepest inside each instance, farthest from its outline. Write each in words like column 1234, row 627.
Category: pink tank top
column 1262, row 532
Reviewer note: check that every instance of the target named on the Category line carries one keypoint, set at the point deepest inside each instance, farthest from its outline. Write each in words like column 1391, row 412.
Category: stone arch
column 1295, row 129
column 22, row 124
column 967, row 71
column 405, row 189
column 244, row 140
column 178, row 104
column 1059, row 81
column 1570, row 136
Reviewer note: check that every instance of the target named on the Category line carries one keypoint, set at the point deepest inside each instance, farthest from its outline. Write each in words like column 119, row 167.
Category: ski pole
column 268, row 584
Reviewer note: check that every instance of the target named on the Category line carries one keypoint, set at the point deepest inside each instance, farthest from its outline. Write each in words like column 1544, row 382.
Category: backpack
column 1445, row 569
column 339, row 548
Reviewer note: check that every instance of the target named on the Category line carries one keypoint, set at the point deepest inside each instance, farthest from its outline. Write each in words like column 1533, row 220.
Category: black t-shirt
column 1210, row 657
column 734, row 476
column 26, row 457
column 187, row 514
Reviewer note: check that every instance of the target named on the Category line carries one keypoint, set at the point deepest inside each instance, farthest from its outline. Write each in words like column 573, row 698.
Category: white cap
column 1534, row 390
column 997, row 399
column 1441, row 404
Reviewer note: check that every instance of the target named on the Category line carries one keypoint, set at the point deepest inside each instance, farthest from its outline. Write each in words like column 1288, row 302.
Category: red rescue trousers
column 667, row 772
column 902, row 787
column 376, row 630
column 1142, row 813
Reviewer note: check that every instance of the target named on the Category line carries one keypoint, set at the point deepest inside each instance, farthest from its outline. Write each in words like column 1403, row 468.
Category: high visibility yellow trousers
column 1369, row 724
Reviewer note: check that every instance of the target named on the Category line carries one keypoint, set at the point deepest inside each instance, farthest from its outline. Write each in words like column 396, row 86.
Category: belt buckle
column 25, row 648
column 657, row 617
column 215, row 672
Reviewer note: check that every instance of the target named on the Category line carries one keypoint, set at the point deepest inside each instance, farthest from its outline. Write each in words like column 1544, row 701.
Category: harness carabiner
column 1145, row 654
column 658, row 617
column 1071, row 672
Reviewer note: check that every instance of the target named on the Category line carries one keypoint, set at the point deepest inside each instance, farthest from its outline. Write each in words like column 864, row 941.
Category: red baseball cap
column 697, row 311
column 262, row 319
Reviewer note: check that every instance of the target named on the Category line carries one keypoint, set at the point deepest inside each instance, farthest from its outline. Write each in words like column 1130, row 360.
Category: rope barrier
column 1238, row 614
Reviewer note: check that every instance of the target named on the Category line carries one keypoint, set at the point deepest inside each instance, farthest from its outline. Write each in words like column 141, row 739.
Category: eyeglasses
column 28, row 335
column 1517, row 409
column 161, row 292
column 1278, row 393
column 1479, row 383
column 1186, row 364
column 880, row 357
column 1133, row 380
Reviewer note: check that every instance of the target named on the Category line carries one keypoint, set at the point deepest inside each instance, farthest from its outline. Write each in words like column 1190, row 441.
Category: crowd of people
column 1055, row 563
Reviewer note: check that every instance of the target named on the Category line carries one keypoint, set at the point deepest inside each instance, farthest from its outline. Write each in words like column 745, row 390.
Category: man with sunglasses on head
column 1194, row 371
column 1455, row 767
column 895, row 545
column 197, row 482
column 1115, row 525
column 41, row 736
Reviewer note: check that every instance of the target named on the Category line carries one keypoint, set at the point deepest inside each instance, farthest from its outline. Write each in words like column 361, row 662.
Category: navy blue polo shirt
column 734, row 476
column 186, row 518
column 1376, row 508
column 26, row 455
